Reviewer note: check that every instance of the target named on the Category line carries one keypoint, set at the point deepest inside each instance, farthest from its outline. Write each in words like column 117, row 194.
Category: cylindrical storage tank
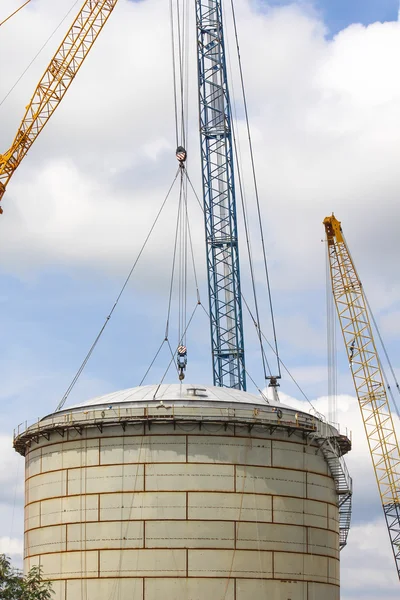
column 183, row 492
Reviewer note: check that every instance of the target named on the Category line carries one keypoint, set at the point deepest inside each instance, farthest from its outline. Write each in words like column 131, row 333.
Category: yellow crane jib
column 369, row 383
column 333, row 230
column 55, row 81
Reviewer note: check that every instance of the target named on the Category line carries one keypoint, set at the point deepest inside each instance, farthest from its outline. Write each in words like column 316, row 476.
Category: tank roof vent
column 197, row 391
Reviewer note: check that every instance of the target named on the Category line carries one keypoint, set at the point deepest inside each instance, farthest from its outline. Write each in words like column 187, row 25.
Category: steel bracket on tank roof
column 100, row 427
column 78, row 429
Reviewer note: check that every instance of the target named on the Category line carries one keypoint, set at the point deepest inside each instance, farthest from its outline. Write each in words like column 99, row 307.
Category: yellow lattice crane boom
column 352, row 309
column 55, row 82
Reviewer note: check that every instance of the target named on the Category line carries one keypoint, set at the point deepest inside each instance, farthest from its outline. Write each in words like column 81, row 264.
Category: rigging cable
column 387, row 358
column 278, row 358
column 381, row 341
column 261, row 229
column 264, row 359
column 38, row 53
column 182, row 216
column 331, row 343
column 242, row 193
column 171, row 286
column 265, row 362
column 88, row 355
column 179, row 41
column 14, row 13
column 258, row 328
column 171, row 14
column 246, row 371
column 175, row 353
column 153, row 361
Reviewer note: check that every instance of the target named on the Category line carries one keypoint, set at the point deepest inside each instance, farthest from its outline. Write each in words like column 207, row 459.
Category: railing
column 109, row 414
column 163, row 411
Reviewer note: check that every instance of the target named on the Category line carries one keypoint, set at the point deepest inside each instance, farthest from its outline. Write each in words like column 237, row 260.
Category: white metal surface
column 182, row 393
column 148, row 509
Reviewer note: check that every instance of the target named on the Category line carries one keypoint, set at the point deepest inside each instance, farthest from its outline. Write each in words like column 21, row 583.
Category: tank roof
column 182, row 394
column 180, row 403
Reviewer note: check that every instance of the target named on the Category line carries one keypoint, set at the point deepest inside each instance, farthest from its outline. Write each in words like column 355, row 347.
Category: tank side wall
column 182, row 514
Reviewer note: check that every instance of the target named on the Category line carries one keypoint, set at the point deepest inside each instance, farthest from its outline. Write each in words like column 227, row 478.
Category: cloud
column 11, row 472
column 367, row 565
column 369, row 570
column 390, row 324
column 325, row 116
column 11, row 546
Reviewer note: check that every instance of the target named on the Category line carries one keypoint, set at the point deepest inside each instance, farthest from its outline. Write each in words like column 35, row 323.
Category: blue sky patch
column 339, row 14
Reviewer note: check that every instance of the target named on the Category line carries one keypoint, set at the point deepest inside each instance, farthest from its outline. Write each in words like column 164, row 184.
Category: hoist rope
column 264, row 360
column 182, row 215
column 387, row 358
column 175, row 353
column 255, row 184
column 331, row 342
column 179, row 41
column 171, row 15
column 246, row 370
column 182, row 240
column 242, row 194
column 182, row 305
column 263, row 355
column 38, row 53
column 380, row 339
column 153, row 361
column 256, row 323
column 278, row 358
column 172, row 278
column 14, row 13
column 88, row 355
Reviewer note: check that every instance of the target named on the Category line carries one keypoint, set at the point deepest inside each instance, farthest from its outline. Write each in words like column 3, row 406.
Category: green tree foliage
column 15, row 586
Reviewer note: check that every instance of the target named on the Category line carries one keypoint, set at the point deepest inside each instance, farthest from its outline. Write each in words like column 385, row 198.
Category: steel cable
column 387, row 358
column 89, row 354
column 38, row 53
column 261, row 229
column 14, row 13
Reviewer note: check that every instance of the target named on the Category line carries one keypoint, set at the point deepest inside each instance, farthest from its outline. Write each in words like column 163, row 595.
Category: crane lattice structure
column 368, row 378
column 219, row 200
column 55, row 82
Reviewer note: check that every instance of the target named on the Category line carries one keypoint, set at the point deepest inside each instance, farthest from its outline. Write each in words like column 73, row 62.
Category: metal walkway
column 333, row 449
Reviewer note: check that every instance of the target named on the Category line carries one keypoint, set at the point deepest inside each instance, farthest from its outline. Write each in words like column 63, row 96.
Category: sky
column 324, row 102
column 340, row 14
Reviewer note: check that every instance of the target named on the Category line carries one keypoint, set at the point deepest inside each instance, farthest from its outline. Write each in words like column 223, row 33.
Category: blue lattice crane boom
column 219, row 200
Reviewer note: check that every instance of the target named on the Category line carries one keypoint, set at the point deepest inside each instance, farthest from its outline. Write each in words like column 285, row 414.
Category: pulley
column 182, row 362
column 181, row 154
column 274, row 384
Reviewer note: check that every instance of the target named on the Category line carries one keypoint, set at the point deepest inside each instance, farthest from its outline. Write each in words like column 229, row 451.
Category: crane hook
column 182, row 362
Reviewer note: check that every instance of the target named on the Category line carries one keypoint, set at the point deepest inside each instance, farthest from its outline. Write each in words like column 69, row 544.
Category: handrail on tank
column 92, row 415
column 107, row 415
